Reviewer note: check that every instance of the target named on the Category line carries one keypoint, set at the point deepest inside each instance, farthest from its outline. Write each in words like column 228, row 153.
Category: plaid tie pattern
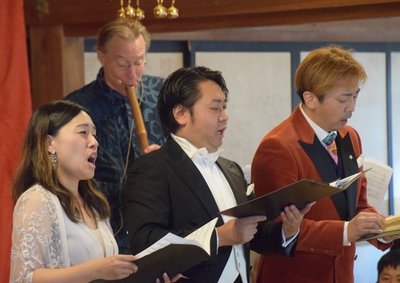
column 329, row 140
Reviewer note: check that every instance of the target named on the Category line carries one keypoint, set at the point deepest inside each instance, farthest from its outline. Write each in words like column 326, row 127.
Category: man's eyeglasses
column 126, row 65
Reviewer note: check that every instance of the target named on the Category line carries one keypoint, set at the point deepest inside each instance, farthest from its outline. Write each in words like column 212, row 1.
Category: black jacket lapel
column 188, row 172
column 350, row 166
column 320, row 158
column 235, row 178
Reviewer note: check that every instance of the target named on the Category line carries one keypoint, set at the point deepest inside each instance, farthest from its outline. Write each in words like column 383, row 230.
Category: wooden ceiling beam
column 84, row 17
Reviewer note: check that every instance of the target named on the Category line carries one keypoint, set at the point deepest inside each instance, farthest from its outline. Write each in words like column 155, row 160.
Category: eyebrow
column 86, row 125
column 217, row 100
column 119, row 56
column 350, row 93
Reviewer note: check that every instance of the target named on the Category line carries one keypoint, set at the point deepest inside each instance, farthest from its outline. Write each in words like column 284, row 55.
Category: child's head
column 389, row 267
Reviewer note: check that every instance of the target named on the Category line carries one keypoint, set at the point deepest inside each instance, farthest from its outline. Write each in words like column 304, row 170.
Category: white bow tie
column 211, row 157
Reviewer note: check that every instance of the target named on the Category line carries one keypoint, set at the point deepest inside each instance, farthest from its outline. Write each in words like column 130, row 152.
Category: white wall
column 370, row 121
column 259, row 86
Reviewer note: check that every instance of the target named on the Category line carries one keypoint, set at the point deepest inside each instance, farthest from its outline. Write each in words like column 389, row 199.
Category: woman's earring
column 53, row 157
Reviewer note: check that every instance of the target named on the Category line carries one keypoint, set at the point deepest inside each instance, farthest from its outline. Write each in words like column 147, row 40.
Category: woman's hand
column 167, row 280
column 116, row 267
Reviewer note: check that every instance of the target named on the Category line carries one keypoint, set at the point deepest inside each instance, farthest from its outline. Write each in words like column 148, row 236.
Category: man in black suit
column 185, row 184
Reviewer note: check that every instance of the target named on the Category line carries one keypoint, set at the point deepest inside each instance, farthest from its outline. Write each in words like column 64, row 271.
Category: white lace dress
column 44, row 237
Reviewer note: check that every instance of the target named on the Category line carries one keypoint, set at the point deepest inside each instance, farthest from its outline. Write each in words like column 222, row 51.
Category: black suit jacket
column 165, row 192
column 345, row 202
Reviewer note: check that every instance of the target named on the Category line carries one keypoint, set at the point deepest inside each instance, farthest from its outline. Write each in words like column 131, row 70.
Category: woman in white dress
column 61, row 230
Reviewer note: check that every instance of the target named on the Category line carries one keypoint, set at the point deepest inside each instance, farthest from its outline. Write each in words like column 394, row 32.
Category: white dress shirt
column 224, row 198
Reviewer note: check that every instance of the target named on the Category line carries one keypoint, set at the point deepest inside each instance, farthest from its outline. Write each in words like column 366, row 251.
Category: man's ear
column 180, row 114
column 101, row 56
column 310, row 99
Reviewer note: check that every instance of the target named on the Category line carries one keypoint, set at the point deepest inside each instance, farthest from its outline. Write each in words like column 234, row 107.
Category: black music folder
column 299, row 193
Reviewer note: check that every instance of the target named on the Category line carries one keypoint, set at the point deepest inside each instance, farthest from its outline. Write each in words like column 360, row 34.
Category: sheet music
column 378, row 180
column 345, row 182
column 163, row 242
column 200, row 237
column 203, row 235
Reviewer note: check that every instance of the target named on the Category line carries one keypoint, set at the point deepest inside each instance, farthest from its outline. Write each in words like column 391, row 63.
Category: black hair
column 181, row 88
column 392, row 259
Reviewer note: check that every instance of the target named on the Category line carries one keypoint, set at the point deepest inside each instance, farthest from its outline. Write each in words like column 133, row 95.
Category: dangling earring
column 53, row 157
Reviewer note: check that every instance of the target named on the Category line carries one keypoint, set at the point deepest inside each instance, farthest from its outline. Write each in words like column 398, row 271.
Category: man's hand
column 151, row 148
column 238, row 231
column 391, row 238
column 363, row 224
column 292, row 217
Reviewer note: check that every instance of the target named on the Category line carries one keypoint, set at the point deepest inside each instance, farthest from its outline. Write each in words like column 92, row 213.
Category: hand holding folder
column 172, row 255
column 391, row 227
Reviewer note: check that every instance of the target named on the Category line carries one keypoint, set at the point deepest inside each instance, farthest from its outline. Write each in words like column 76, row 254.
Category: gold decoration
column 160, row 11
column 138, row 14
column 42, row 8
column 129, row 11
column 173, row 12
column 121, row 11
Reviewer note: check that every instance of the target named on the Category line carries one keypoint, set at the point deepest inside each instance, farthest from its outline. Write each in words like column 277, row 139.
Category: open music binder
column 171, row 254
column 299, row 193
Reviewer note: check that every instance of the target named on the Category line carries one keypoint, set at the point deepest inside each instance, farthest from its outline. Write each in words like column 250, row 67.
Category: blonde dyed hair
column 325, row 68
column 125, row 28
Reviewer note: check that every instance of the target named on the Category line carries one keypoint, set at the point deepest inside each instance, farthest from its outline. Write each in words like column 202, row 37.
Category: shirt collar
column 193, row 151
column 113, row 96
column 319, row 132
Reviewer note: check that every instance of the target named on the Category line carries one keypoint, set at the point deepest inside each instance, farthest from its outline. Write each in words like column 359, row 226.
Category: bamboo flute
column 137, row 117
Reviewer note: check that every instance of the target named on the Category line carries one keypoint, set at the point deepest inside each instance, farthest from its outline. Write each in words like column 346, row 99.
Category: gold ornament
column 160, row 11
column 173, row 12
column 129, row 11
column 121, row 11
column 139, row 12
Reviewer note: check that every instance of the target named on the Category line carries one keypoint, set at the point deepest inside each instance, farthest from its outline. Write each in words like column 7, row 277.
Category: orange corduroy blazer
column 291, row 152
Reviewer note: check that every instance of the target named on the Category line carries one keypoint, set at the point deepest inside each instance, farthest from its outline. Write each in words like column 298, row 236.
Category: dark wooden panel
column 46, row 64
column 83, row 18
column 73, row 64
column 366, row 30
column 56, row 64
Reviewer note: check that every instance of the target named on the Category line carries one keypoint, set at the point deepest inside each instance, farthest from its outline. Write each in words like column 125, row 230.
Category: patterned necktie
column 331, row 146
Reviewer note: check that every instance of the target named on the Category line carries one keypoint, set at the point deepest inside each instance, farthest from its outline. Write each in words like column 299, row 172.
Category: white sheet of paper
column 203, row 235
column 198, row 237
column 378, row 180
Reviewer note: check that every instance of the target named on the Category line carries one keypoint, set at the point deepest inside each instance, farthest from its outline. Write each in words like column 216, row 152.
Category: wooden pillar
column 56, row 64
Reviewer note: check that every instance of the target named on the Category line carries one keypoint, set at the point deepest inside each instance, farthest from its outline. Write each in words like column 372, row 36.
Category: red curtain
column 15, row 111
